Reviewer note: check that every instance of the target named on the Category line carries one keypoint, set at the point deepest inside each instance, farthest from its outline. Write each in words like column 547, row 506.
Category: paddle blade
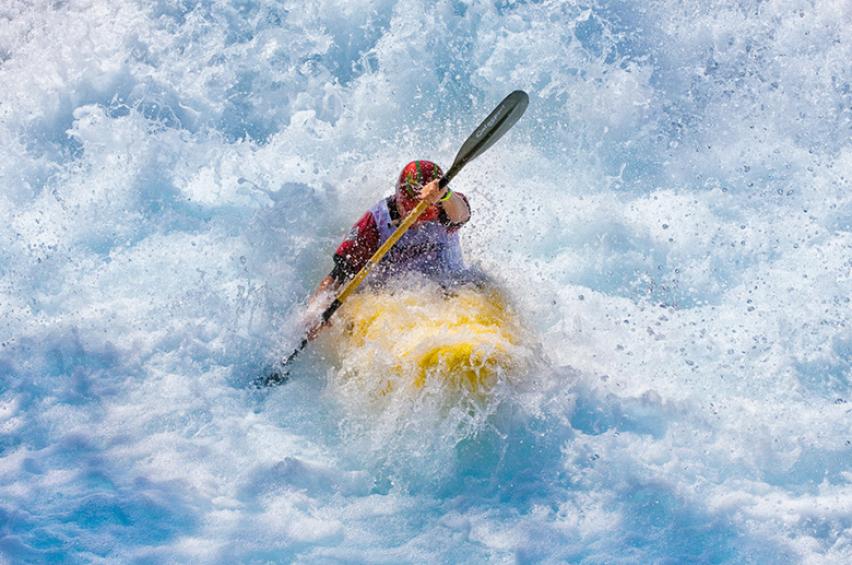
column 491, row 129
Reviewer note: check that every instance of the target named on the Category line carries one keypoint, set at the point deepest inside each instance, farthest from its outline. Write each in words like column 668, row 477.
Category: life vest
column 430, row 248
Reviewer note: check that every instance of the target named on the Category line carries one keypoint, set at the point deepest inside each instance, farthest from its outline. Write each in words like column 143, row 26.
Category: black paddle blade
column 272, row 376
column 491, row 129
column 279, row 373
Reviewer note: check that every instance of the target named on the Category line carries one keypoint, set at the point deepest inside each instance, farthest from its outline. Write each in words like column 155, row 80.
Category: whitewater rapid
column 671, row 218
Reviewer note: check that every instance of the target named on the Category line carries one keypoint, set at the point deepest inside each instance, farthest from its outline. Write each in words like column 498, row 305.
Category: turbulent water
column 671, row 218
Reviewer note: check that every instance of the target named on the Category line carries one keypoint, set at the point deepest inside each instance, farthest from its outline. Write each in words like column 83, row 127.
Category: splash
column 460, row 337
column 419, row 368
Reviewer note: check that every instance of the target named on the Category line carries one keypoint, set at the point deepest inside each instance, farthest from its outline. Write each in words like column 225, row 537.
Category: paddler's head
column 414, row 176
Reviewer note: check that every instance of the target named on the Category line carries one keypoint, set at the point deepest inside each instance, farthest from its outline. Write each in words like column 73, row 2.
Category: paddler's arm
column 358, row 246
column 318, row 302
column 455, row 207
column 328, row 285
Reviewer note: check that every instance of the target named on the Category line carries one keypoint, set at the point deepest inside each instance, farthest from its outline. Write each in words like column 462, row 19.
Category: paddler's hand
column 455, row 207
column 431, row 193
column 318, row 302
column 316, row 326
column 316, row 329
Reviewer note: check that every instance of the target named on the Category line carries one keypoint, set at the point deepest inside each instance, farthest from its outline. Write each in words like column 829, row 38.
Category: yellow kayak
column 463, row 339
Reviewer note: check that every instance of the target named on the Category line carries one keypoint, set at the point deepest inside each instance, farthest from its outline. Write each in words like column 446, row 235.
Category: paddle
column 489, row 131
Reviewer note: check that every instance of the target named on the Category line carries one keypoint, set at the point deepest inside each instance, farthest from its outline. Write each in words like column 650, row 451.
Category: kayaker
column 431, row 246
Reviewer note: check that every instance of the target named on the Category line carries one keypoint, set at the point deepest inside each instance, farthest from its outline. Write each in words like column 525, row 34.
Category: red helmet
column 413, row 177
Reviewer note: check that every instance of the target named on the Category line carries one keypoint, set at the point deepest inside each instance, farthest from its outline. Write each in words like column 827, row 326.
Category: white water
column 672, row 216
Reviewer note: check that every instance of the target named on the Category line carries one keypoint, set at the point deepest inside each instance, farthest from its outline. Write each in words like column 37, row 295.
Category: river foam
column 671, row 217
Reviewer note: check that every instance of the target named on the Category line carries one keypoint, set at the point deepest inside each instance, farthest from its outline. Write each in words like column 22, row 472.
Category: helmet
column 413, row 177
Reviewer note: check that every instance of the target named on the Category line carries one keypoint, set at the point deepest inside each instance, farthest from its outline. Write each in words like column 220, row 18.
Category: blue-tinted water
column 671, row 216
